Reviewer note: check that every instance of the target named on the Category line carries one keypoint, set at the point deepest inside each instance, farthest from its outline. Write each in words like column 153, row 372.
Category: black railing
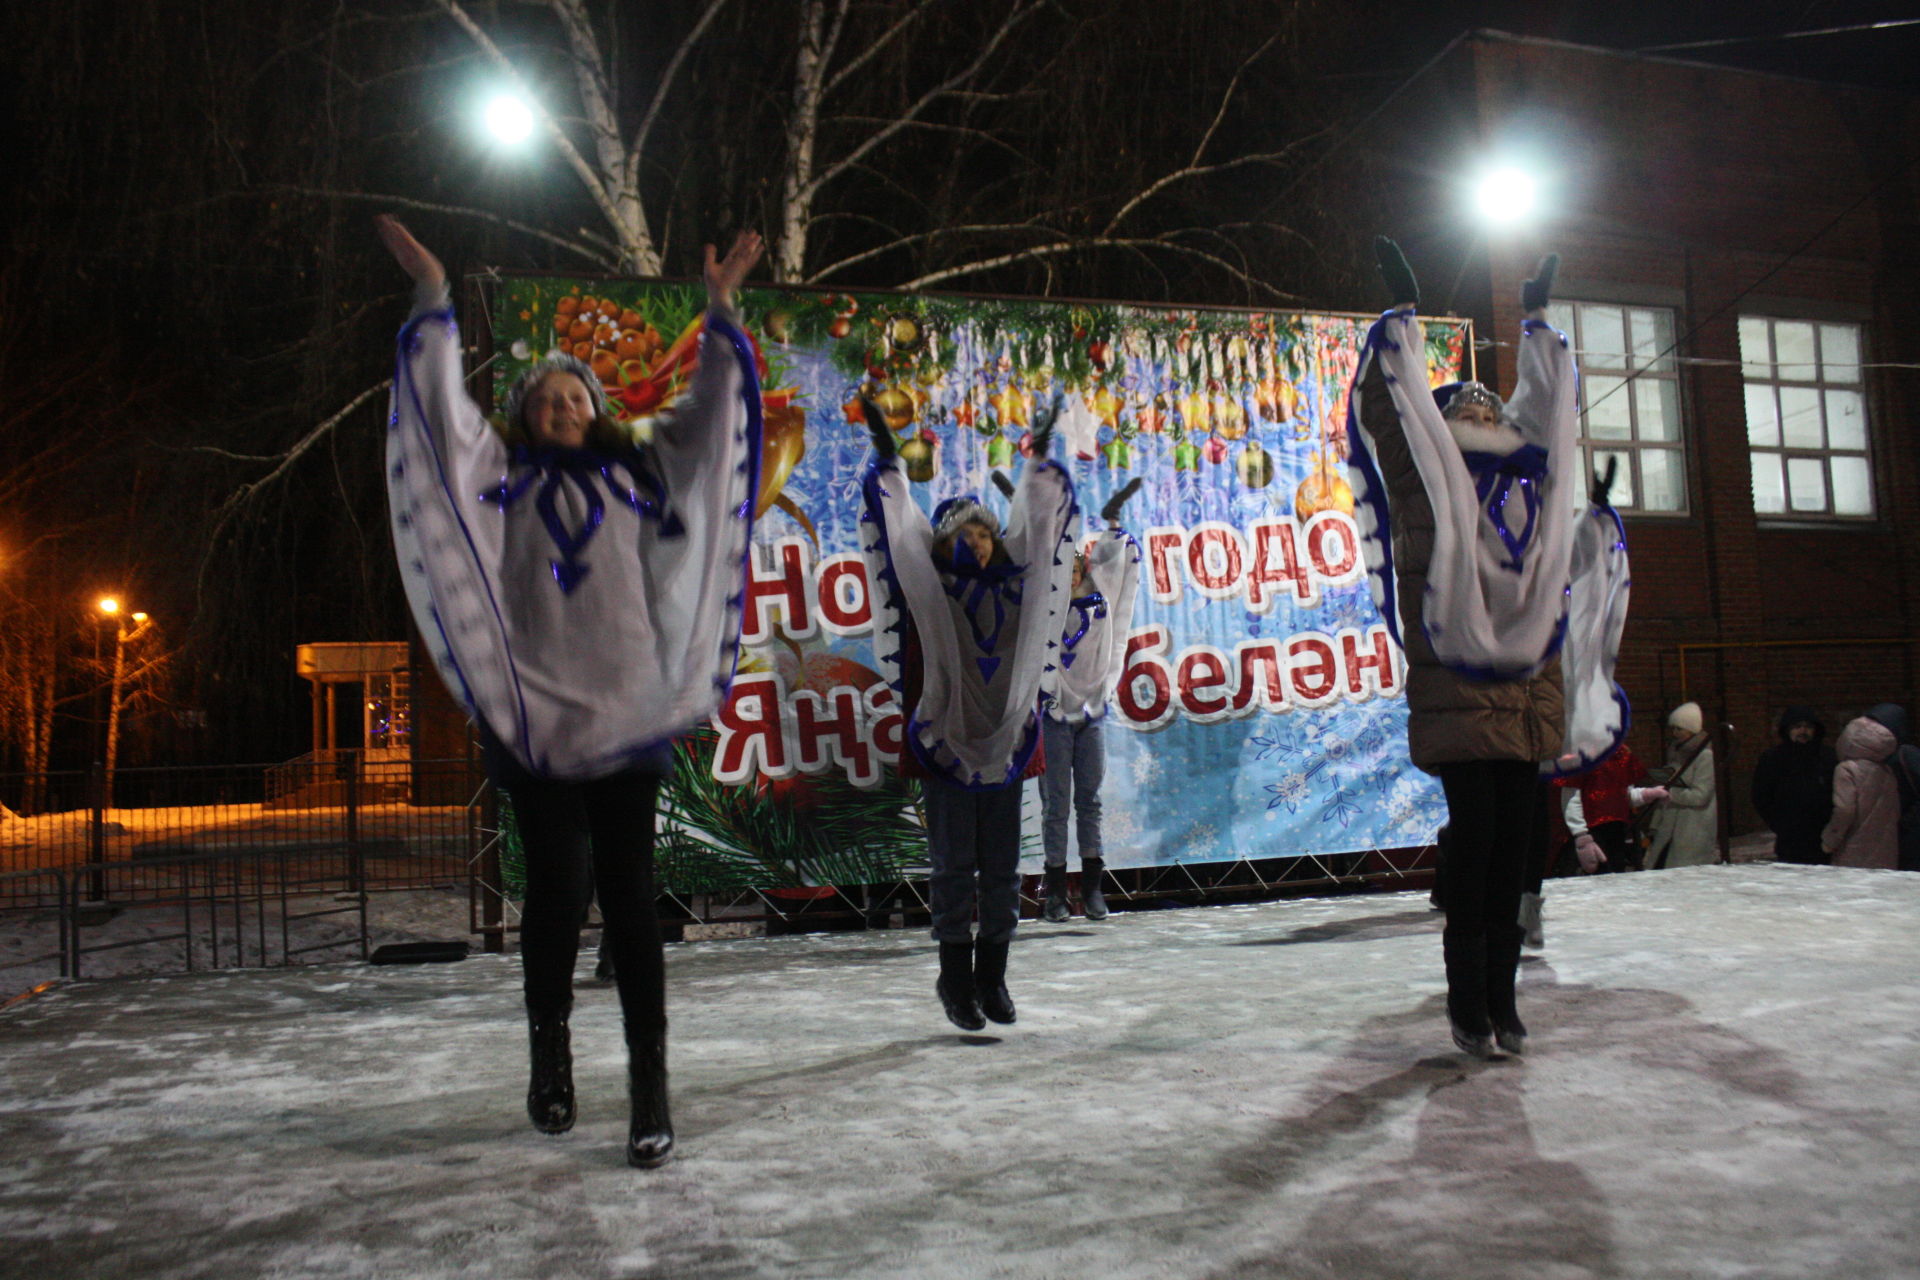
column 414, row 823
column 243, row 873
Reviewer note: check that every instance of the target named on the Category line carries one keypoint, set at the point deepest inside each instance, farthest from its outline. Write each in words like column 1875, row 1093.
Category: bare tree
column 205, row 243
column 870, row 101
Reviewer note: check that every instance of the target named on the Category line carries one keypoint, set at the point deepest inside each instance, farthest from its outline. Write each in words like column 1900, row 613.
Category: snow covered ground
column 1722, row 1084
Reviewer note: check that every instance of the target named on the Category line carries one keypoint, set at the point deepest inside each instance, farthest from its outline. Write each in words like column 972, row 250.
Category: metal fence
column 203, row 868
column 409, row 829
column 272, row 864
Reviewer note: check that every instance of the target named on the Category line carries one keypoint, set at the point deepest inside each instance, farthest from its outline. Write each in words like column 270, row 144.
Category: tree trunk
column 809, row 80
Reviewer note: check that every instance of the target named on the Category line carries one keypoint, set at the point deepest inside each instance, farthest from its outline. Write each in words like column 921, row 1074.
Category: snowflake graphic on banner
column 1341, row 807
column 1290, row 791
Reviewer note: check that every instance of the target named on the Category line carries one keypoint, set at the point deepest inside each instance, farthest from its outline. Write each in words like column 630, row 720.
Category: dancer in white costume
column 581, row 595
column 1507, row 604
column 965, row 619
column 1078, row 683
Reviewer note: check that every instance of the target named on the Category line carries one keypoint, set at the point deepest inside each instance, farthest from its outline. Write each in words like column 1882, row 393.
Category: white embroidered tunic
column 583, row 605
column 1081, row 677
column 986, row 635
column 1513, row 580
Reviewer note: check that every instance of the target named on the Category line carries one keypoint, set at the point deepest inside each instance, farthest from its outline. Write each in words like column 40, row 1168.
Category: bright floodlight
column 509, row 119
column 109, row 605
column 1504, row 195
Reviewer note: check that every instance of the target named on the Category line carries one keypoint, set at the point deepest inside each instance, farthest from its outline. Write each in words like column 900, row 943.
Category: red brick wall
column 1714, row 192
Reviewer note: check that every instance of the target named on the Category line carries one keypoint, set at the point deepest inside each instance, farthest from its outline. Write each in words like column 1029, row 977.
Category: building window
column 1806, row 418
column 1629, row 401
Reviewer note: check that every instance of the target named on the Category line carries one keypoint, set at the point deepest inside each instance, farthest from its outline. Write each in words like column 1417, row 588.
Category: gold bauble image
column 904, row 333
column 919, row 457
column 1256, row 466
column 896, row 406
column 1322, row 491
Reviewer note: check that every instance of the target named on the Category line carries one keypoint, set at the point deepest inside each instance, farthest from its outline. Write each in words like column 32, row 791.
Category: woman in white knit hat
column 1685, row 828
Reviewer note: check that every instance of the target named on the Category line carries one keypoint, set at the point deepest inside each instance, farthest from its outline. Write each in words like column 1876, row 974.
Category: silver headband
column 1471, row 393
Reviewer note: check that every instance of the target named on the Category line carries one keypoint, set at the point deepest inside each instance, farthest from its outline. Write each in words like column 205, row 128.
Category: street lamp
column 123, row 636
column 508, row 118
column 1504, row 194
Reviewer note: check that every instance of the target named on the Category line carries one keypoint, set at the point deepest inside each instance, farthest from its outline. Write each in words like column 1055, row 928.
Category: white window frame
column 1822, row 386
column 1658, row 365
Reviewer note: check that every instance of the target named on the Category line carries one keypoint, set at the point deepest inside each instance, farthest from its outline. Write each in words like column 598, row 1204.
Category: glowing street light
column 123, row 636
column 1505, row 195
column 509, row 119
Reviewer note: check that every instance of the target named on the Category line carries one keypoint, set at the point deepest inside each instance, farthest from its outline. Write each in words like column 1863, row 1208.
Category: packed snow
column 1718, row 1085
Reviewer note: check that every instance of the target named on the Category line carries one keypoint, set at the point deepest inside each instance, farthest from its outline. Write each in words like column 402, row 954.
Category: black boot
column 990, row 981
column 550, row 1085
column 1466, row 960
column 603, row 968
column 955, row 986
column 1056, row 909
column 650, row 1135
column 1091, row 896
column 1503, row 964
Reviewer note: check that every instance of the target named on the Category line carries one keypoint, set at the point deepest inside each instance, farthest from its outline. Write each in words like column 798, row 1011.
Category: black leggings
column 584, row 839
column 1490, row 807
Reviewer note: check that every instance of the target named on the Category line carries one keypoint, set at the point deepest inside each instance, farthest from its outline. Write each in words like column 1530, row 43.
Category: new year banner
column 1260, row 711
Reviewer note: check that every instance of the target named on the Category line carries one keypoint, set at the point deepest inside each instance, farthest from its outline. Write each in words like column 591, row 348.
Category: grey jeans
column 1076, row 765
column 973, row 841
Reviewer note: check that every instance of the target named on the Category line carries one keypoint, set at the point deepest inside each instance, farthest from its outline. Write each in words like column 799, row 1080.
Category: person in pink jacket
column 1865, row 828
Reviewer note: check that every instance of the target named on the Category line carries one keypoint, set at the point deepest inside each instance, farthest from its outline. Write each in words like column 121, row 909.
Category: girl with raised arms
column 580, row 594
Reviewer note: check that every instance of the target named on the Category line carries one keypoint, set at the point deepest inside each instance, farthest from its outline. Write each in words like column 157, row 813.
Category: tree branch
column 634, row 244
column 1201, row 171
column 922, row 237
column 598, row 259
column 925, row 100
column 1041, row 253
column 680, row 55
column 873, row 48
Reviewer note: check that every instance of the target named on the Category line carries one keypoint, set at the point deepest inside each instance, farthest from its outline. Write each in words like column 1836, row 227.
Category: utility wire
column 1888, row 25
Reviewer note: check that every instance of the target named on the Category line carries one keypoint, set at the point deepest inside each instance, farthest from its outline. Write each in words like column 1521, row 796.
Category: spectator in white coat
column 1685, row 828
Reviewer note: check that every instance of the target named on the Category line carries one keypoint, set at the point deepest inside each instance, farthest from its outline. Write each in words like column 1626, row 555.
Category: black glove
column 1603, row 484
column 1402, row 288
column 1535, row 292
column 1043, row 420
column 884, row 444
column 1004, row 485
column 1110, row 513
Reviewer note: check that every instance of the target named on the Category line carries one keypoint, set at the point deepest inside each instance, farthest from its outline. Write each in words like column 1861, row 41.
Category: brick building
column 1764, row 229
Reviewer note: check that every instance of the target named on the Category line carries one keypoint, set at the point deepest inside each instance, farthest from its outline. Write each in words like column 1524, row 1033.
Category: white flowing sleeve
column 584, row 606
column 440, row 446
column 707, row 451
column 1496, row 588
column 896, row 540
column 1082, row 676
column 1598, row 714
column 985, row 644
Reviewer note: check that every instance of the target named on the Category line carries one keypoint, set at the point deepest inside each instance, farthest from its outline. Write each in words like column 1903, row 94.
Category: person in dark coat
column 1481, row 722
column 1793, row 786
